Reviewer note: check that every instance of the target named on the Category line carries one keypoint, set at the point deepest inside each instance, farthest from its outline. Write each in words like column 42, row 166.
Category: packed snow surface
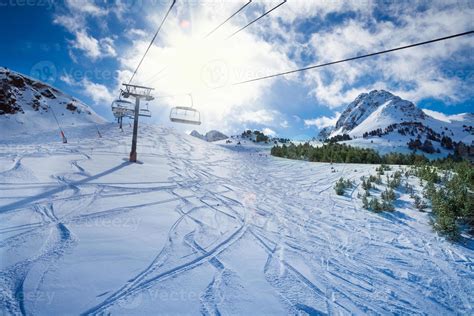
column 204, row 228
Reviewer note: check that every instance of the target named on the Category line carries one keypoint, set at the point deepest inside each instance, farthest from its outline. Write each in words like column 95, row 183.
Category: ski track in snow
column 324, row 253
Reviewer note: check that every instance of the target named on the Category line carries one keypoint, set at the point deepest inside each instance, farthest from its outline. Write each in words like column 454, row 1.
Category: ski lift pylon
column 185, row 114
column 124, row 108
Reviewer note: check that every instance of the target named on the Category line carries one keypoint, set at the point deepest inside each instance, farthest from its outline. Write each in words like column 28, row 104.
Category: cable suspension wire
column 234, row 14
column 252, row 22
column 173, row 95
column 354, row 58
column 149, row 80
column 59, row 126
column 153, row 39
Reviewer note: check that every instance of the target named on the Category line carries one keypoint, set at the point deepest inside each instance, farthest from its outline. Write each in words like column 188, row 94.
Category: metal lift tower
column 138, row 92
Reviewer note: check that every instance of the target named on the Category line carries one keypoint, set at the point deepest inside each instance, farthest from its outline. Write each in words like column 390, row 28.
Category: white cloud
column 86, row 7
column 74, row 17
column 72, row 23
column 88, row 44
column 99, row 93
column 304, row 9
column 68, row 80
column 269, row 132
column 134, row 33
column 258, row 117
column 323, row 121
column 414, row 74
column 107, row 47
column 91, row 47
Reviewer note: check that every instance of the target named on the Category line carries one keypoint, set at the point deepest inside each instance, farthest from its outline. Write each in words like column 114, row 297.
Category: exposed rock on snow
column 25, row 106
column 324, row 133
column 196, row 134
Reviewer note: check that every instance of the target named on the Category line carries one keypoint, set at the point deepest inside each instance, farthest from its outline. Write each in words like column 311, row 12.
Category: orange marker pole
column 63, row 137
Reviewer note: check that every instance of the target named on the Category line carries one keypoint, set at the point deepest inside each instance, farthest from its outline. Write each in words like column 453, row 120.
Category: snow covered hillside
column 199, row 228
column 28, row 106
column 382, row 120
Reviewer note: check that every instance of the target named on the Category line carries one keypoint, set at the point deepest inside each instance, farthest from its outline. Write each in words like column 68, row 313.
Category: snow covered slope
column 28, row 106
column 201, row 229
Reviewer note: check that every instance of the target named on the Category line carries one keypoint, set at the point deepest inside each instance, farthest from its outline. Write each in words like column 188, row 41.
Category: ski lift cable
column 228, row 19
column 55, row 118
column 149, row 80
column 171, row 95
column 354, row 58
column 252, row 22
column 153, row 39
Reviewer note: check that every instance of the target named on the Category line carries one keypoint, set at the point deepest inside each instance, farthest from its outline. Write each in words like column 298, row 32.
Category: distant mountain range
column 210, row 136
column 28, row 106
column 387, row 122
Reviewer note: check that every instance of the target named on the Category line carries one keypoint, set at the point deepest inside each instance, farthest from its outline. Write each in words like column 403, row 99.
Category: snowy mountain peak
column 389, row 123
column 385, row 104
column 210, row 136
column 28, row 106
column 196, row 134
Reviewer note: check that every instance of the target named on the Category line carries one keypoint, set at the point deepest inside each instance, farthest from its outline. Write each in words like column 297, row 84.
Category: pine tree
column 375, row 205
column 365, row 202
column 339, row 187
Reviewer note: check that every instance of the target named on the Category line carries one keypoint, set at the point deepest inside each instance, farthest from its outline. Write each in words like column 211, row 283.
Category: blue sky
column 87, row 48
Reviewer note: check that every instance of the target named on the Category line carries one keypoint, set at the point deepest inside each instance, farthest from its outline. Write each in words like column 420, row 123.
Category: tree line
column 342, row 153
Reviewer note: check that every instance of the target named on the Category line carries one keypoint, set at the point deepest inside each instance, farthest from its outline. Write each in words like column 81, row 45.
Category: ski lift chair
column 121, row 108
column 145, row 112
column 185, row 114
